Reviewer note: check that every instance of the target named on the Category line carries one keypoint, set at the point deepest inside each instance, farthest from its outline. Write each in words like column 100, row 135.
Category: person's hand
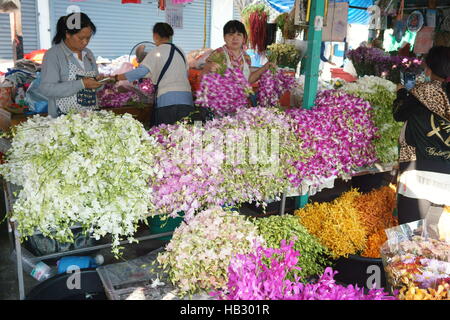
column 91, row 83
column 400, row 86
column 213, row 67
column 269, row 65
column 101, row 77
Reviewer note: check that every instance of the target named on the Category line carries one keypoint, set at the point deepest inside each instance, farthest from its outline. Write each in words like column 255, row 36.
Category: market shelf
column 10, row 190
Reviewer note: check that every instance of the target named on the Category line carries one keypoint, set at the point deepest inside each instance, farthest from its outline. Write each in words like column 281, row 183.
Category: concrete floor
column 8, row 274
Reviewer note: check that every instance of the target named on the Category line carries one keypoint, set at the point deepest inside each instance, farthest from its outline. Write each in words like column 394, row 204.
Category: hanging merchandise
column 285, row 22
column 336, row 22
column 255, row 20
column 162, row 5
column 445, row 24
column 300, row 9
column 399, row 26
column 415, row 21
column 174, row 15
column 424, row 40
column 9, row 5
column 181, row 1
column 431, row 17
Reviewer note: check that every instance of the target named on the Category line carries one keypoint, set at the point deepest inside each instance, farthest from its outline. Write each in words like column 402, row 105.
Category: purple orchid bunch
column 220, row 163
column 187, row 180
column 263, row 275
column 366, row 60
column 146, row 86
column 341, row 130
column 272, row 85
column 407, row 64
column 224, row 94
column 114, row 96
column 110, row 96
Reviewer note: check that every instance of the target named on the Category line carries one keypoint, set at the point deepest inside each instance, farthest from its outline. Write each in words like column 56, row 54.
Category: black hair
column 234, row 26
column 438, row 60
column 164, row 30
column 68, row 24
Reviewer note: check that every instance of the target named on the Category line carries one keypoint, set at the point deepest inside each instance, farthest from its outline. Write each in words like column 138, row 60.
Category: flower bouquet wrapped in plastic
column 417, row 263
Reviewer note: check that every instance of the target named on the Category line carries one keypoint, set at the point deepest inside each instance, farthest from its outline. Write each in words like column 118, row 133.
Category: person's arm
column 255, row 75
column 51, row 83
column 401, row 110
column 136, row 74
column 322, row 52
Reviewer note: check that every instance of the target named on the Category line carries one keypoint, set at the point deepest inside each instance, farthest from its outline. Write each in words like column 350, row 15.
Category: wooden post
column 313, row 54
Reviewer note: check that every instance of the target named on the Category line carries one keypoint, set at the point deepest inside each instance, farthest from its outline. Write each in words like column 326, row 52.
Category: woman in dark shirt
column 424, row 175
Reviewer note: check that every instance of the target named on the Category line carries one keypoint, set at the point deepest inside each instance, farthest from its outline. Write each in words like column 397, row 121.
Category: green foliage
column 313, row 256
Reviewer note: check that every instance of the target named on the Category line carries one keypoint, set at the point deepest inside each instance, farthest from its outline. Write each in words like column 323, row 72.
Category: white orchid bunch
column 90, row 169
column 369, row 84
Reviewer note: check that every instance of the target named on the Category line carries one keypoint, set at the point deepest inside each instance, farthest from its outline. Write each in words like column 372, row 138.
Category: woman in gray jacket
column 69, row 70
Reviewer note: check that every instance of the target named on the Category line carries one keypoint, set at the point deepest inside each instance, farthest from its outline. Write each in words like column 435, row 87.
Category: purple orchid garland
column 223, row 94
column 341, row 131
column 272, row 85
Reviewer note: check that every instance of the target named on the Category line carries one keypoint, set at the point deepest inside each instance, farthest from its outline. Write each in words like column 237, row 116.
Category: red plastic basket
column 341, row 74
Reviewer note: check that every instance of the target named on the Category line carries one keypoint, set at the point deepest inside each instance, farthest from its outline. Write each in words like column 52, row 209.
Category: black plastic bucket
column 360, row 271
column 56, row 288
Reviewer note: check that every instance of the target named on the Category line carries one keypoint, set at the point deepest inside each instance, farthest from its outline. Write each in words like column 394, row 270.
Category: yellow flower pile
column 411, row 292
column 336, row 224
column 353, row 223
column 376, row 209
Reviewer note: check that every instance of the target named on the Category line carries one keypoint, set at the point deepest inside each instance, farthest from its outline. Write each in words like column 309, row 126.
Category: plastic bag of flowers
column 90, row 169
column 197, row 257
column 313, row 257
column 264, row 276
column 416, row 265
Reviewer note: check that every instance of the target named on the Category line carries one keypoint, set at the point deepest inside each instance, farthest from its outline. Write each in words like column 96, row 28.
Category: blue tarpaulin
column 357, row 16
column 281, row 5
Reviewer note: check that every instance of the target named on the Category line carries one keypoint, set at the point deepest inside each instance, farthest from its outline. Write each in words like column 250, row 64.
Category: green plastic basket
column 157, row 225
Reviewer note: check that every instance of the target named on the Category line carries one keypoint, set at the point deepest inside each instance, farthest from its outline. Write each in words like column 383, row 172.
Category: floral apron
column 84, row 99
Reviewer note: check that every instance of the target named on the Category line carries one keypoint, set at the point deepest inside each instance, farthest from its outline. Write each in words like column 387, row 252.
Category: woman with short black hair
column 424, row 175
column 69, row 71
column 232, row 54
column 174, row 99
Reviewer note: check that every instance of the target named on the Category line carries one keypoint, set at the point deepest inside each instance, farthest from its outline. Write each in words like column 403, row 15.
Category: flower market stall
column 109, row 173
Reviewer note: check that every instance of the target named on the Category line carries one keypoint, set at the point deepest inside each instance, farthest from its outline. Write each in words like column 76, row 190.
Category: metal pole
column 313, row 54
column 283, row 204
column 19, row 263
column 312, row 67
